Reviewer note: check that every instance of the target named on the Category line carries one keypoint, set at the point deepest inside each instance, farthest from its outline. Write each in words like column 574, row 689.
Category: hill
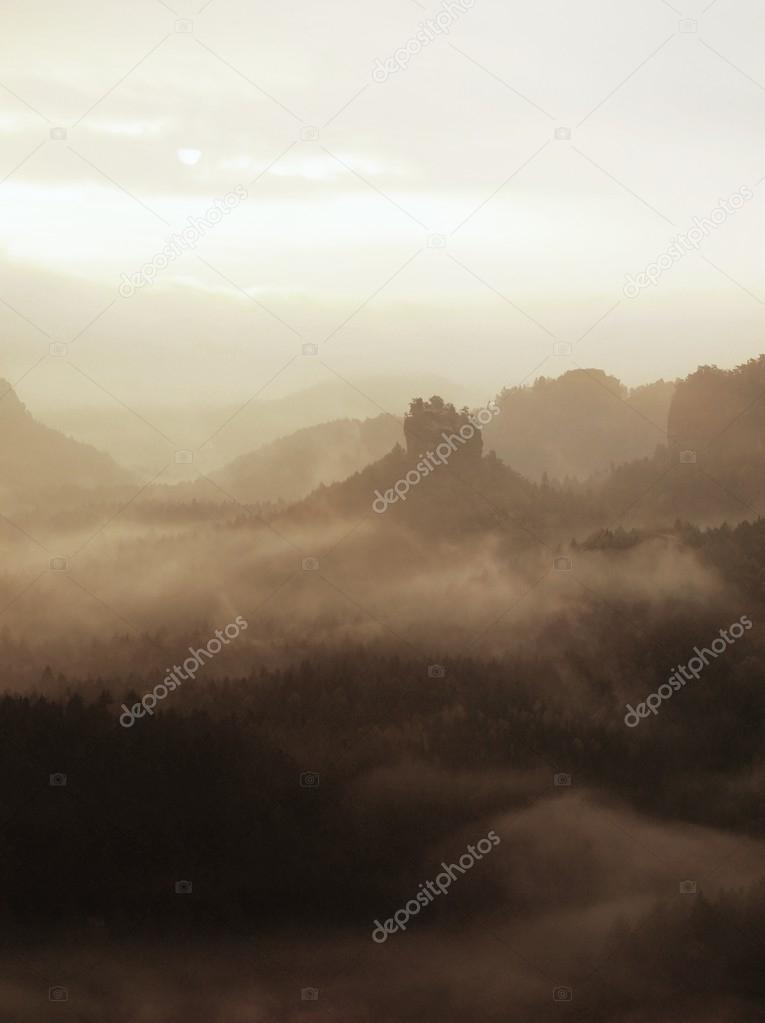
column 443, row 492
column 291, row 467
column 221, row 432
column 35, row 458
column 709, row 468
column 713, row 465
column 578, row 424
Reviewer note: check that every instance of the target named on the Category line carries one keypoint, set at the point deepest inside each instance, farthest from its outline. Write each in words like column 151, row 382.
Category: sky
column 468, row 206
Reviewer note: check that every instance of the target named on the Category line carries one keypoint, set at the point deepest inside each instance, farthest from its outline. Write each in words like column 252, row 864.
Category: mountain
column 713, row 465
column 440, row 485
column 720, row 414
column 291, row 467
column 36, row 458
column 578, row 424
column 219, row 433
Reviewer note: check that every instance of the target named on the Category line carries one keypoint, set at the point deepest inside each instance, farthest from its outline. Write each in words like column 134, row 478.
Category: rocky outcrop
column 434, row 422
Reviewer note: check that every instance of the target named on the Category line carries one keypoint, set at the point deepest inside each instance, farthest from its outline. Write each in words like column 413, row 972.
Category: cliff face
column 430, row 423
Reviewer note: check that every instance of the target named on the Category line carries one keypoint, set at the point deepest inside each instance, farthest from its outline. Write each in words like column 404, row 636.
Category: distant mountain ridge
column 708, row 465
column 35, row 458
column 222, row 432
column 291, row 467
column 576, row 451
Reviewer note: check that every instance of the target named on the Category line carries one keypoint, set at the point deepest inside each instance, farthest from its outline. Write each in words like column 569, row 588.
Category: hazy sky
column 350, row 178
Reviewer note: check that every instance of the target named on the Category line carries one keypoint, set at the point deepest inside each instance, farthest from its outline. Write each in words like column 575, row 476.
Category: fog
column 578, row 914
column 382, row 446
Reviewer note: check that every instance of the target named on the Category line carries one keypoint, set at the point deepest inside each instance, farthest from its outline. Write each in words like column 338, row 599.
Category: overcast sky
column 429, row 222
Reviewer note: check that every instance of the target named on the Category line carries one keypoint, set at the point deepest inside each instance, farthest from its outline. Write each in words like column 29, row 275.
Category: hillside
column 35, row 458
column 457, row 495
column 220, row 432
column 711, row 469
column 713, row 465
column 291, row 467
column 578, row 424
